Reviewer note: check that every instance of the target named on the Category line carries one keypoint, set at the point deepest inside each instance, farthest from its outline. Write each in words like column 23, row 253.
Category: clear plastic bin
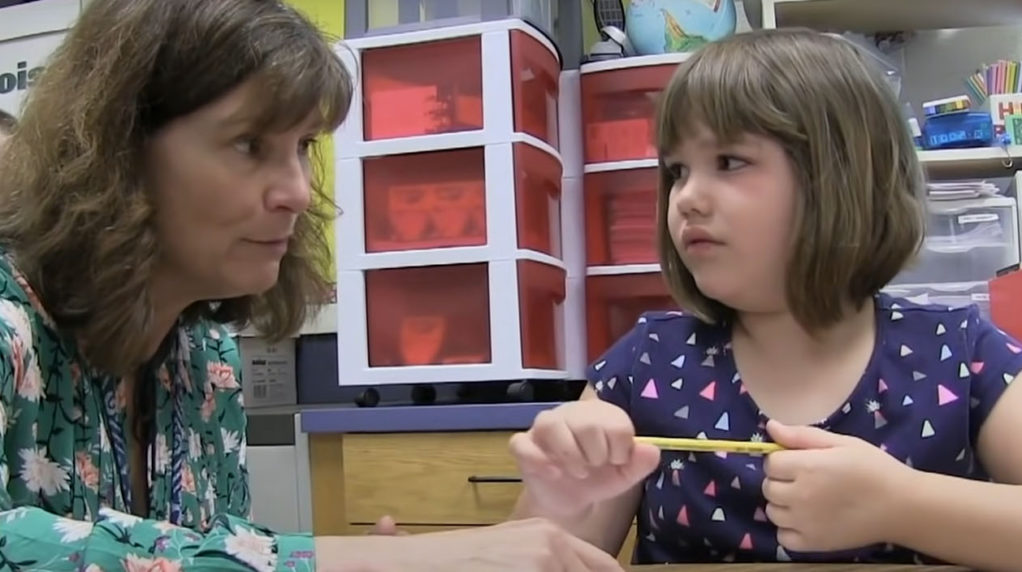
column 425, row 200
column 428, row 315
column 406, row 93
column 620, row 210
column 952, row 294
column 618, row 107
column 966, row 241
column 541, row 291
column 614, row 302
column 538, row 199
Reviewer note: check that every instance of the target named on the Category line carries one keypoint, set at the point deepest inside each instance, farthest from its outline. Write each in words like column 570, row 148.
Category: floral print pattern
column 64, row 490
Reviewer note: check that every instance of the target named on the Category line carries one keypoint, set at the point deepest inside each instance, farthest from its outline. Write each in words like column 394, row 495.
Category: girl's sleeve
column 611, row 374
column 33, row 539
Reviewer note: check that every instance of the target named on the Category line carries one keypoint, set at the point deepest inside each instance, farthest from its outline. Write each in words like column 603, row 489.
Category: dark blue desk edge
column 422, row 418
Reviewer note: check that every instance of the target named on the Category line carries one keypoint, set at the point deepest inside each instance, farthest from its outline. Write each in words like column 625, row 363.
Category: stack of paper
column 961, row 190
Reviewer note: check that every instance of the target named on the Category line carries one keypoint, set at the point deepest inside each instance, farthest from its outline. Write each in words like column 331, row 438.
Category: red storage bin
column 618, row 108
column 435, row 199
column 537, row 199
column 534, row 87
column 428, row 315
column 620, row 210
column 615, row 301
column 541, row 291
column 404, row 96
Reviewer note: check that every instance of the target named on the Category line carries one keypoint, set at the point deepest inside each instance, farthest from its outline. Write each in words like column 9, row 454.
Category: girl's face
column 730, row 213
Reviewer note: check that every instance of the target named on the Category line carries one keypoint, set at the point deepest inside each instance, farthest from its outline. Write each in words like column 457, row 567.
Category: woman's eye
column 305, row 146
column 247, row 145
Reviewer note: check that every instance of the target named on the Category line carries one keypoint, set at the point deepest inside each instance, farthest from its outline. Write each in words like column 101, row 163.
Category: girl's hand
column 830, row 492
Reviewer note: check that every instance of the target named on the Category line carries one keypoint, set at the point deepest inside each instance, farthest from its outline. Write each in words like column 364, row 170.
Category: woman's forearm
column 971, row 523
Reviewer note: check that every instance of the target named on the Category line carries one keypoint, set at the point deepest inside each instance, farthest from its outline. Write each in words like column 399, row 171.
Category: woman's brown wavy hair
column 74, row 213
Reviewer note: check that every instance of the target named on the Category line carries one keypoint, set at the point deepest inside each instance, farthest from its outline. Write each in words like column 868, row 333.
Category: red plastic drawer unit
column 615, row 301
column 537, row 199
column 618, row 108
column 534, row 87
column 621, row 216
column 425, row 200
column 541, row 290
column 403, row 96
column 428, row 315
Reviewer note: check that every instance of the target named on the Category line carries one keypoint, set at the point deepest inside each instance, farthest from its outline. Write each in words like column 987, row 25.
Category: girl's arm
column 604, row 525
column 972, row 523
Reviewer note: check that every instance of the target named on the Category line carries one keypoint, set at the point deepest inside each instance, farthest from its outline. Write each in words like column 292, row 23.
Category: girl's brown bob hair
column 74, row 212
column 859, row 218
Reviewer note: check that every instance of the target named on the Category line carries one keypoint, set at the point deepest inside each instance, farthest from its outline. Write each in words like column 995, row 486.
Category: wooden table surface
column 794, row 568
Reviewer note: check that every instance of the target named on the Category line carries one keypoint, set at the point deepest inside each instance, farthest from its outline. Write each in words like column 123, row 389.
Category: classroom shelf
column 978, row 162
column 889, row 15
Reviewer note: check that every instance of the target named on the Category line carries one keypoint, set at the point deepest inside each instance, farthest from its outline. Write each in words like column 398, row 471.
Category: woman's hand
column 579, row 454
column 828, row 491
column 533, row 545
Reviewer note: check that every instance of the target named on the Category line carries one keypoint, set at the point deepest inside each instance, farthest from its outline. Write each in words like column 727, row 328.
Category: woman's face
column 227, row 198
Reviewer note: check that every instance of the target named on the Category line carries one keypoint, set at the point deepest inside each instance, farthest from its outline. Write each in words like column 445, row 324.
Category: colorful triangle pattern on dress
column 644, row 358
column 599, row 365
column 682, row 413
column 927, row 431
column 895, row 316
column 723, row 423
column 881, row 386
column 905, row 350
column 678, row 383
column 736, row 483
column 679, row 362
column 759, row 516
column 918, row 376
column 691, row 340
column 708, row 362
column 976, row 367
column 907, row 401
column 746, row 543
column 650, row 392
column 654, row 336
column 660, row 482
column 718, row 515
column 782, row 556
column 676, row 478
column 941, row 330
column 711, row 490
column 1014, row 349
column 878, row 420
column 682, row 518
column 709, row 391
column 1008, row 378
column 612, row 382
column 963, row 371
column 945, row 395
column 945, row 353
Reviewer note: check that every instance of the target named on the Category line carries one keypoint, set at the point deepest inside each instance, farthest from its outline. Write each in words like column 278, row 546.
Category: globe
column 663, row 26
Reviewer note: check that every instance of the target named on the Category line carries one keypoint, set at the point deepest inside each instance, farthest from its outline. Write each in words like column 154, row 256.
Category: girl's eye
column 676, row 170
column 730, row 163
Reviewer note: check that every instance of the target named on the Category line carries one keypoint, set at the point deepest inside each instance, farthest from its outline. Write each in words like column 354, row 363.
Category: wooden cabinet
column 428, row 482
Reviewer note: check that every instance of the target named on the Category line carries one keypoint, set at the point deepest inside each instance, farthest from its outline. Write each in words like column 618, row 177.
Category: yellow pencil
column 710, row 445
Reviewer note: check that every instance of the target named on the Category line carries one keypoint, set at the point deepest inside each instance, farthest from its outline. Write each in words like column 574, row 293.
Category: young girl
column 789, row 196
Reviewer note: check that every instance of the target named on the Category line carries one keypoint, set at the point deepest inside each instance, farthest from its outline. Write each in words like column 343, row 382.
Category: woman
column 160, row 187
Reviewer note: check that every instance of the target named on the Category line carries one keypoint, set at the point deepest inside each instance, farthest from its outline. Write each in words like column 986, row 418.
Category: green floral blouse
column 63, row 468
